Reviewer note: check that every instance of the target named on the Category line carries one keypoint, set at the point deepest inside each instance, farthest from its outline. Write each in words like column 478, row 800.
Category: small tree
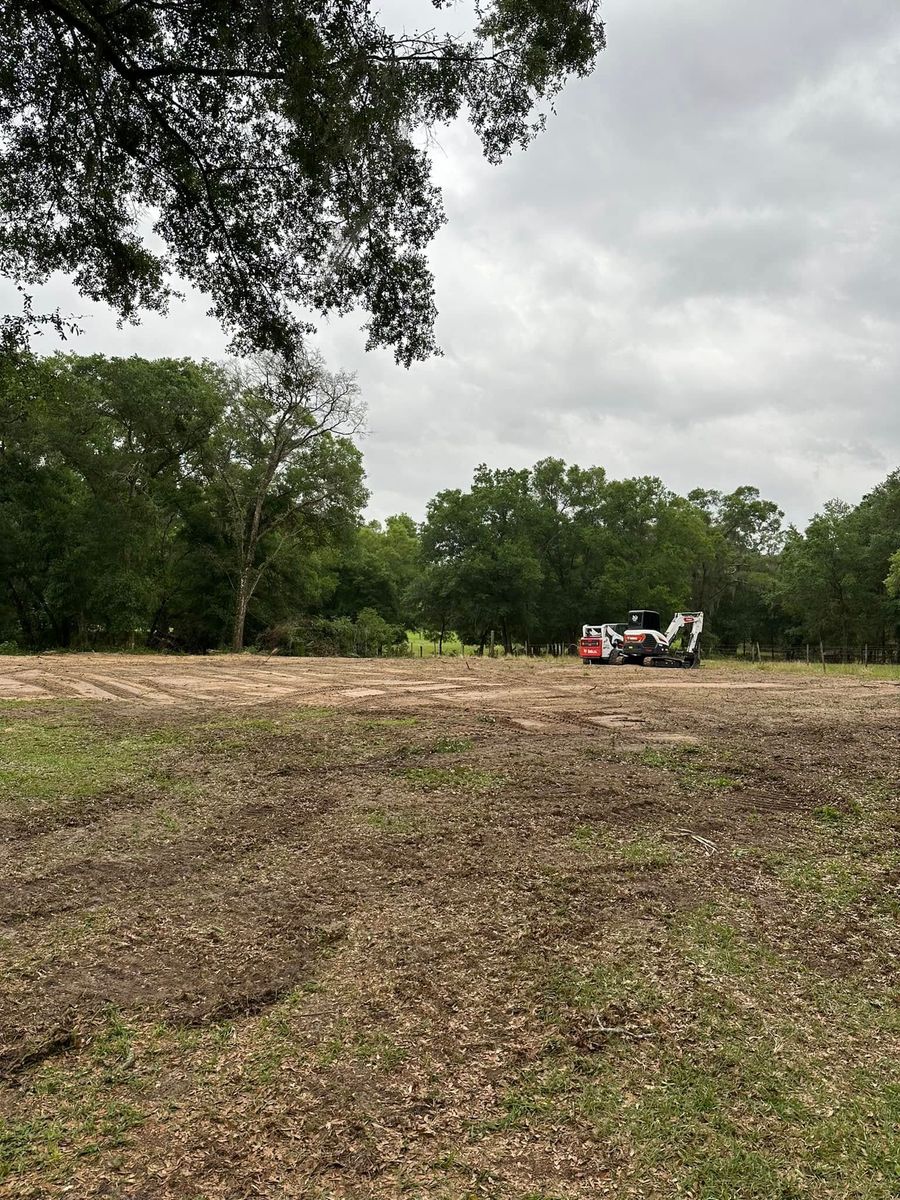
column 282, row 467
column 373, row 633
column 892, row 583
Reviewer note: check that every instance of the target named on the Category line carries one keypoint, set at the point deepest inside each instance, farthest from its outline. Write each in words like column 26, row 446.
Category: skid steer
column 643, row 644
column 599, row 644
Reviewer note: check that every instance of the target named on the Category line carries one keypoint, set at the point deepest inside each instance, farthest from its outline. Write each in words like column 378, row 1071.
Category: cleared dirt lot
column 446, row 929
column 567, row 689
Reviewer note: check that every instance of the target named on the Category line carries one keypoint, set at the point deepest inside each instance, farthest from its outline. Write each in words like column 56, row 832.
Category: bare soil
column 465, row 683
column 318, row 926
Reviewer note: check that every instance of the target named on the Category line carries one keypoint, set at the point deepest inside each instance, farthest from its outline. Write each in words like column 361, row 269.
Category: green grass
column 449, row 745
column 856, row 670
column 693, row 770
column 709, row 940
column 726, row 1072
column 372, row 1046
column 453, row 779
column 423, row 647
column 66, row 758
column 81, row 1113
column 444, row 745
column 45, row 1144
column 393, row 821
column 649, row 851
column 283, row 723
column 586, row 837
column 832, row 880
column 830, row 814
column 646, row 852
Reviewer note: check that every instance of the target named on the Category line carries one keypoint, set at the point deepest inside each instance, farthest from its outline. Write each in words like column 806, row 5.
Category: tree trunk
column 155, row 633
column 241, row 603
column 25, row 622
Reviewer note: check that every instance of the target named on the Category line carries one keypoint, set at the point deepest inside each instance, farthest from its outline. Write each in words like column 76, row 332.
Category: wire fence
column 749, row 652
column 809, row 652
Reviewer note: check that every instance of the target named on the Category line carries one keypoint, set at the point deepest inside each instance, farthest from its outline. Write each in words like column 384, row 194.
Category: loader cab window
column 643, row 618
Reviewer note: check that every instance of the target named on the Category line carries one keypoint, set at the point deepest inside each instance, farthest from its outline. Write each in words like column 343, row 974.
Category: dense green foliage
column 276, row 148
column 184, row 505
column 160, row 499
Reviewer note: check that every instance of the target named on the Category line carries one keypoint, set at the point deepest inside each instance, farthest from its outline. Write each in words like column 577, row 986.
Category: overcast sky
column 694, row 273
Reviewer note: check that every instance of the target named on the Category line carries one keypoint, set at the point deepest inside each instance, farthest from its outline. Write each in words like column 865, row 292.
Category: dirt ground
column 553, row 692
column 446, row 929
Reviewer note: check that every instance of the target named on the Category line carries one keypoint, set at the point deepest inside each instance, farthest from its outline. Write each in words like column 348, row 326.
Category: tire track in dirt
column 617, row 701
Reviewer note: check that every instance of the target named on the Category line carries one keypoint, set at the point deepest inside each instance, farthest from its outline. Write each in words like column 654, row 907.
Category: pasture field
column 447, row 930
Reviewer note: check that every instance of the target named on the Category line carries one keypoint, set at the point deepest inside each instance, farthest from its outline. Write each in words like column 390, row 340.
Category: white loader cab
column 599, row 644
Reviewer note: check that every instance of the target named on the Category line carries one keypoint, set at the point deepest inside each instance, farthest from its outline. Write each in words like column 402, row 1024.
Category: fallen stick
column 708, row 846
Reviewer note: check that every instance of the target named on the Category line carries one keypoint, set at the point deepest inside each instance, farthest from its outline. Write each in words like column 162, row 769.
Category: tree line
column 536, row 553
column 171, row 504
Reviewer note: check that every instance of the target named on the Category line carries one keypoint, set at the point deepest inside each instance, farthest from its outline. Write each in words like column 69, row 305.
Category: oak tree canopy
column 273, row 154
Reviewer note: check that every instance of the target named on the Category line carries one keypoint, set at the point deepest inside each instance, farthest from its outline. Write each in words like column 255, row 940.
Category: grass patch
column 637, row 852
column 728, row 1073
column 692, row 771
column 832, row 880
column 280, row 724
column 624, row 985
column 48, row 1144
column 79, row 1111
column 830, row 814
column 854, row 670
column 453, row 779
column 586, row 837
column 392, row 821
column 52, row 760
column 544, row 1093
column 449, row 745
column 709, row 940
column 374, row 1047
column 444, row 745
column 646, row 852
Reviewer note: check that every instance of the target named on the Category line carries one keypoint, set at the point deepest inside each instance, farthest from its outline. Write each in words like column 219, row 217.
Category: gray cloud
column 693, row 273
